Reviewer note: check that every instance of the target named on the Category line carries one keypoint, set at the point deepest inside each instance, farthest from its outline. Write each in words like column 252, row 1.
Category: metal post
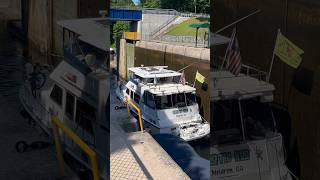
column 139, row 114
column 242, row 122
column 58, row 149
column 57, row 124
column 197, row 36
column 272, row 60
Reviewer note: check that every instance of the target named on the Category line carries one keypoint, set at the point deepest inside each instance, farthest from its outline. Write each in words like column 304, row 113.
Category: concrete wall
column 299, row 20
column 10, row 9
column 151, row 22
column 45, row 34
column 39, row 31
column 62, row 9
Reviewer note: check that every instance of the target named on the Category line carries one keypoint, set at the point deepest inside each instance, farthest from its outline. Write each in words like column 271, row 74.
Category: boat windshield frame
column 244, row 118
column 189, row 99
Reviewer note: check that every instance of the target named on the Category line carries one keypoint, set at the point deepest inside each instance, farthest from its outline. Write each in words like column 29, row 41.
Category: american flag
column 233, row 57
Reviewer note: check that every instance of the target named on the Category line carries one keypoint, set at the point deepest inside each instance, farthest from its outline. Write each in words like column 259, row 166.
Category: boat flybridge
column 167, row 106
column 245, row 141
column 76, row 91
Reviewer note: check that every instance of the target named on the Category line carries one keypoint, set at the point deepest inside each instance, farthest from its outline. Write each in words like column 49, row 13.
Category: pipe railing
column 128, row 104
column 58, row 125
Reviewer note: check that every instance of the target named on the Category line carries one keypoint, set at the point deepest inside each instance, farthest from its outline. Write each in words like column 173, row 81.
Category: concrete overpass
column 132, row 15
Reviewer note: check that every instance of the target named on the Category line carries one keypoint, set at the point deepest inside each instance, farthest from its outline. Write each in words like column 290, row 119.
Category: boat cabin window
column 164, row 80
column 149, row 99
column 175, row 100
column 85, row 115
column 148, row 80
column 136, row 98
column 226, row 120
column 70, row 105
column 56, row 94
column 128, row 91
column 136, row 79
column 131, row 94
column 191, row 99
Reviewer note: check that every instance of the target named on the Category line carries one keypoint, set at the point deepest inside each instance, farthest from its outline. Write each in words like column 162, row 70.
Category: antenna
column 237, row 21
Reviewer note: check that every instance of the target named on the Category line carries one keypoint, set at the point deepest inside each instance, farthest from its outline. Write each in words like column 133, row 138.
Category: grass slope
column 184, row 28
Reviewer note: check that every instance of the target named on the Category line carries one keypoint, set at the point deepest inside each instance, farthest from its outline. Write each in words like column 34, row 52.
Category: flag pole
column 231, row 42
column 194, row 82
column 272, row 60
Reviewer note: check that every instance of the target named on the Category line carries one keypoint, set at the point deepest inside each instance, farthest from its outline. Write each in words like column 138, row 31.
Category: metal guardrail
column 128, row 103
column 245, row 69
column 57, row 124
column 254, row 72
column 195, row 15
column 158, row 29
column 183, row 39
column 36, row 107
column 160, row 11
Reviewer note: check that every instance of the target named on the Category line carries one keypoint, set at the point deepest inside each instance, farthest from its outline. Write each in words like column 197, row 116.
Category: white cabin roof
column 75, row 81
column 217, row 39
column 93, row 31
column 154, row 72
column 167, row 89
column 228, row 86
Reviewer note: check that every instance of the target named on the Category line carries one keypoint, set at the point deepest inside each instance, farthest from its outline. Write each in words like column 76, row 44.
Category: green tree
column 122, row 3
column 118, row 29
column 201, row 6
column 150, row 3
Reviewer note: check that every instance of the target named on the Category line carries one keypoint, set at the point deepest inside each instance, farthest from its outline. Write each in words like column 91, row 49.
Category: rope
column 293, row 174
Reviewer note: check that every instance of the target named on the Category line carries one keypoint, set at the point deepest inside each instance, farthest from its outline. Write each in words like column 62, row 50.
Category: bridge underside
column 125, row 15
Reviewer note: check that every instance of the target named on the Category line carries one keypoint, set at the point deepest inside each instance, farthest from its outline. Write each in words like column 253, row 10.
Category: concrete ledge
column 198, row 53
column 155, row 159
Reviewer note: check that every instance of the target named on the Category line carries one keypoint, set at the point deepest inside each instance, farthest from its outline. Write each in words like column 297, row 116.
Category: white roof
column 76, row 82
column 217, row 39
column 91, row 30
column 167, row 89
column 154, row 72
column 227, row 86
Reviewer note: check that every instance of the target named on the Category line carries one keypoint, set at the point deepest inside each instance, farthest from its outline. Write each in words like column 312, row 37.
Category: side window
column 131, row 95
column 69, row 105
column 85, row 115
column 136, row 98
column 150, row 100
column 56, row 94
column 145, row 97
column 128, row 92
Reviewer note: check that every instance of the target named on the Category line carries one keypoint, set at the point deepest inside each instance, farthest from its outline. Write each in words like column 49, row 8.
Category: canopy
column 200, row 25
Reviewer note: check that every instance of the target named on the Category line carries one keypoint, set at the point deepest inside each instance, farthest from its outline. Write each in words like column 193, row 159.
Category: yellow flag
column 199, row 77
column 288, row 52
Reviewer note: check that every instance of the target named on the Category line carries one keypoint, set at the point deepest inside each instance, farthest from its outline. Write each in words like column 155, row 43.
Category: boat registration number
column 179, row 111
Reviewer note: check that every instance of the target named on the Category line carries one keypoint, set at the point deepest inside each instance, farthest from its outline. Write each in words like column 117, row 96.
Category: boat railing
column 254, row 72
column 245, row 69
column 41, row 113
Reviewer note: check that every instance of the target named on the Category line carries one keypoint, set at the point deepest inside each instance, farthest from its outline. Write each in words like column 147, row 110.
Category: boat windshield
column 175, row 100
column 257, row 119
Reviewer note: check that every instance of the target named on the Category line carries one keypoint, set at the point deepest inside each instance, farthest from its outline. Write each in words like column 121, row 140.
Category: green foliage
column 118, row 29
column 203, row 6
column 179, row 5
column 150, row 3
column 121, row 3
